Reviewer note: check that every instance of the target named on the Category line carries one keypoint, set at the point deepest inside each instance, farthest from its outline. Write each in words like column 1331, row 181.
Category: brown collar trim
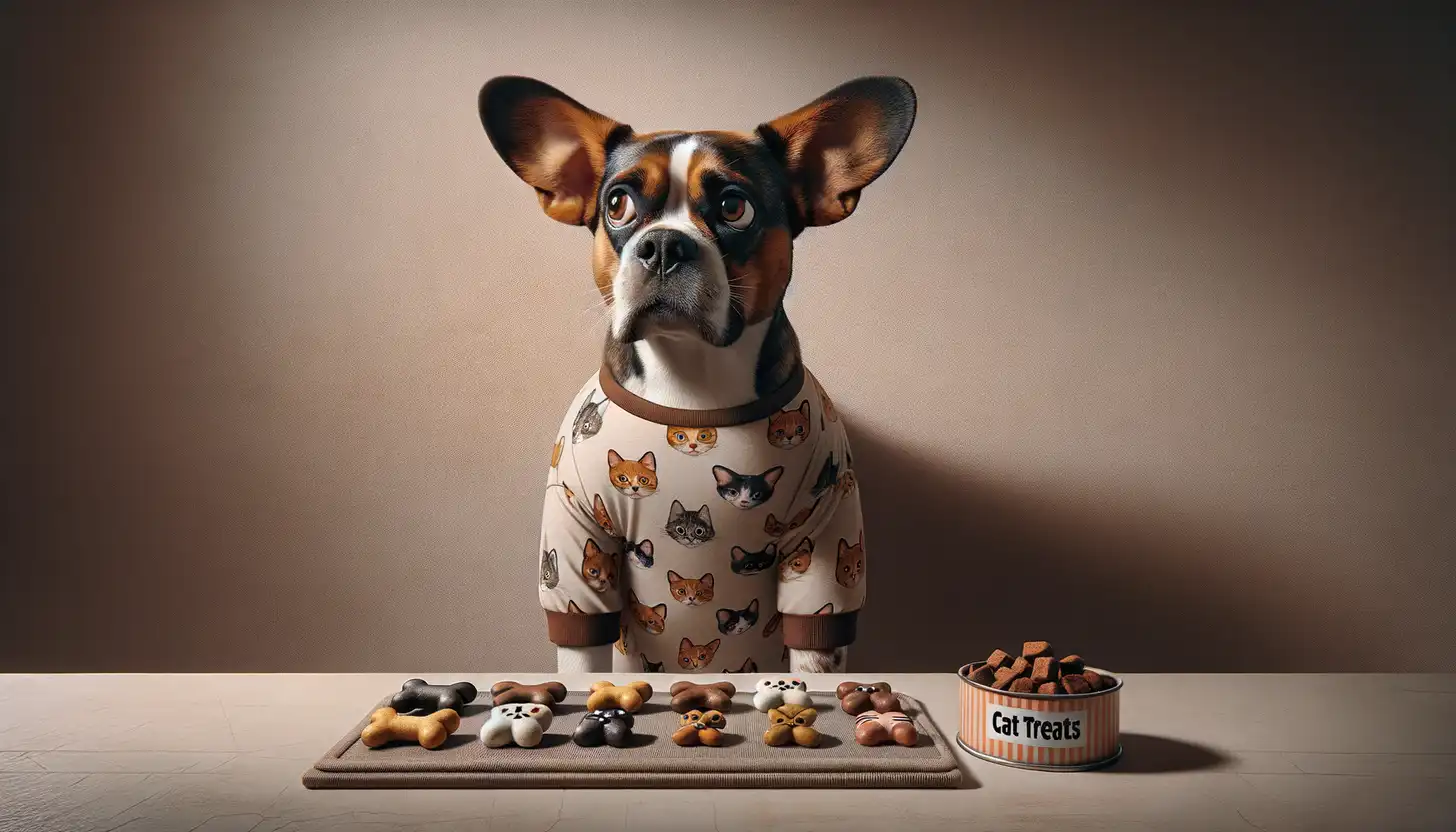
column 721, row 418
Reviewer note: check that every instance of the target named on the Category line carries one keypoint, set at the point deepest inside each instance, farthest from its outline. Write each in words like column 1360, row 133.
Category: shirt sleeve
column 580, row 586
column 822, row 562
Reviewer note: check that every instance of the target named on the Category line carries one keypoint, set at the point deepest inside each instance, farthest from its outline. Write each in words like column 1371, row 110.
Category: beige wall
column 1144, row 339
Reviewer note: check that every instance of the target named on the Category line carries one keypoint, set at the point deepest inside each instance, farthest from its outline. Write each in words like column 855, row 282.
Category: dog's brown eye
column 736, row 211
column 620, row 209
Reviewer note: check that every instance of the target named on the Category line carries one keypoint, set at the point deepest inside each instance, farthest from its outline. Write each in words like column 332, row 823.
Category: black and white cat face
column 751, row 563
column 639, row 554
column 781, row 684
column 828, row 476
column 649, row 667
column 746, row 490
column 588, row 420
column 689, row 528
column 737, row 622
column 549, row 575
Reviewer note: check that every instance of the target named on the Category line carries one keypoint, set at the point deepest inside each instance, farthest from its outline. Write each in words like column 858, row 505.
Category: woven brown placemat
column 654, row 761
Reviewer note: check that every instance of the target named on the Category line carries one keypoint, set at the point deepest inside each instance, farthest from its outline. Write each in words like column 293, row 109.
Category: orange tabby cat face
column 694, row 656
column 651, row 619
column 635, row 479
column 599, row 513
column 598, row 568
column 692, row 441
column 788, row 428
column 621, row 643
column 794, row 564
column 690, row 591
column 849, row 567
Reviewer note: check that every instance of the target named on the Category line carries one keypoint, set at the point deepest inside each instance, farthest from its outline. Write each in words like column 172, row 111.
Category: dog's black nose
column 663, row 249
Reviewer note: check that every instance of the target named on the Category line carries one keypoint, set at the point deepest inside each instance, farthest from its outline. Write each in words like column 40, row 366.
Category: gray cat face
column 588, row 420
column 746, row 490
column 549, row 575
column 690, row 528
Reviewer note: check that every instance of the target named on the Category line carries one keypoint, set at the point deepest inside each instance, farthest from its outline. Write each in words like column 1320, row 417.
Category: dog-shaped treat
column 700, row 728
column 419, row 695
column 875, row 728
column 547, row 693
column 702, row 428
column 387, row 725
column 689, row 696
column 628, row 697
column 771, row 693
column 858, row 697
column 522, row 723
column 792, row 723
column 612, row 726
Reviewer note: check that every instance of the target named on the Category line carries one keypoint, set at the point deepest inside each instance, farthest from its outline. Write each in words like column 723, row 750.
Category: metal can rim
column 966, row 670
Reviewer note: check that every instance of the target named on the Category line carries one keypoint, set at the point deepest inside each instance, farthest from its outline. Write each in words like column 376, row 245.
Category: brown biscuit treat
column 1021, row 667
column 1075, row 683
column 1050, row 687
column 547, row 693
column 689, row 696
column 999, row 659
column 1094, row 679
column 1022, row 685
column 1044, row 670
column 1071, row 664
column 984, row 675
column 1036, row 649
column 1004, row 677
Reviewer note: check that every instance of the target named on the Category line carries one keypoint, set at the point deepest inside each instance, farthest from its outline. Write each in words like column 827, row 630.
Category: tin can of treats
column 1047, row 732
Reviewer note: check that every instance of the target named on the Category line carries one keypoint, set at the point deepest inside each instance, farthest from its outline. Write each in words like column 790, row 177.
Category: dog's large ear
column 840, row 142
column 551, row 141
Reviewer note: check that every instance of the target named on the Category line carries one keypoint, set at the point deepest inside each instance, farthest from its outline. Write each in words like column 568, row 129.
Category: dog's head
column 693, row 231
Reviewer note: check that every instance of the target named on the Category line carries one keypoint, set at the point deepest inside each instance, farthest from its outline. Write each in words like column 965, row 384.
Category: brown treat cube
column 1044, row 670
column 999, row 659
column 1022, row 685
column 1021, row 667
column 1072, row 664
column 1094, row 679
column 1049, row 687
column 984, row 675
column 1004, row 677
column 1036, row 649
column 1076, row 684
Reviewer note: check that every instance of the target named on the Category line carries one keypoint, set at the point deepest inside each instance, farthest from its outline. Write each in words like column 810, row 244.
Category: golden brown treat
column 690, row 696
column 792, row 723
column 1036, row 649
column 1022, row 684
column 998, row 659
column 1095, row 680
column 1021, row 667
column 387, row 725
column 700, row 728
column 1075, row 683
column 1004, row 677
column 628, row 697
column 1044, row 670
column 1050, row 688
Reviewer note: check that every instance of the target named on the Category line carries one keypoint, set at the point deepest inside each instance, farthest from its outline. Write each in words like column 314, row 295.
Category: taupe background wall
column 1144, row 340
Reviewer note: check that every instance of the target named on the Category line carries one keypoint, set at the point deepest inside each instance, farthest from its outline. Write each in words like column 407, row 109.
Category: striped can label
column 1067, row 732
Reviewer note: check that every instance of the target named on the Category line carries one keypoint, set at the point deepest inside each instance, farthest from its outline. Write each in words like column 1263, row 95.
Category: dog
column 702, row 446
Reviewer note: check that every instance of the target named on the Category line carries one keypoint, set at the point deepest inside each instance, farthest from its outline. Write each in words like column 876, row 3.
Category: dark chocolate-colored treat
column 1022, row 666
column 1075, row 683
column 1004, row 677
column 546, row 693
column 999, row 659
column 1071, row 664
column 857, row 697
column 984, row 675
column 1094, row 679
column 1021, row 684
column 1050, row 687
column 1044, row 670
column 689, row 696
column 612, row 726
column 1036, row 649
column 419, row 695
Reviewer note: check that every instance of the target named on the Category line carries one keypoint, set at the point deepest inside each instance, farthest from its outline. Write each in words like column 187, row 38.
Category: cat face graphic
column 789, row 428
column 694, row 656
column 849, row 566
column 746, row 491
column 588, row 421
column 692, row 441
column 745, row 562
column 639, row 554
column 689, row 528
column 690, row 591
column 737, row 622
column 549, row 575
column 634, row 479
column 598, row 568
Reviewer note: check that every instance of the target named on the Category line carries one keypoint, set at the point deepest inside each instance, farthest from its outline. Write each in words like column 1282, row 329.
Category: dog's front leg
column 596, row 659
column 816, row 661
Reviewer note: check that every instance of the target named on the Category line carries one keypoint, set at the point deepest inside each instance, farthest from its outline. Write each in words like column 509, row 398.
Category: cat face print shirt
column 698, row 540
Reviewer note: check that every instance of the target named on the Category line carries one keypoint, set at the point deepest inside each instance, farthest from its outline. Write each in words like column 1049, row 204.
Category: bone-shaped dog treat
column 771, row 693
column 792, row 723
column 700, row 727
column 877, row 728
column 508, row 693
column 628, row 697
column 858, row 697
column 523, row 723
column 419, row 695
column 612, row 726
column 690, row 696
column 387, row 725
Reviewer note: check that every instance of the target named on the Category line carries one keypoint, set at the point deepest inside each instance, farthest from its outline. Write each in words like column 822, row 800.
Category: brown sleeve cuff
column 567, row 629
column 819, row 632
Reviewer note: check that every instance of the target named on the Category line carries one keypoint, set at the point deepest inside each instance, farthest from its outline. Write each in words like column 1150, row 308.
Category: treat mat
column 653, row 761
